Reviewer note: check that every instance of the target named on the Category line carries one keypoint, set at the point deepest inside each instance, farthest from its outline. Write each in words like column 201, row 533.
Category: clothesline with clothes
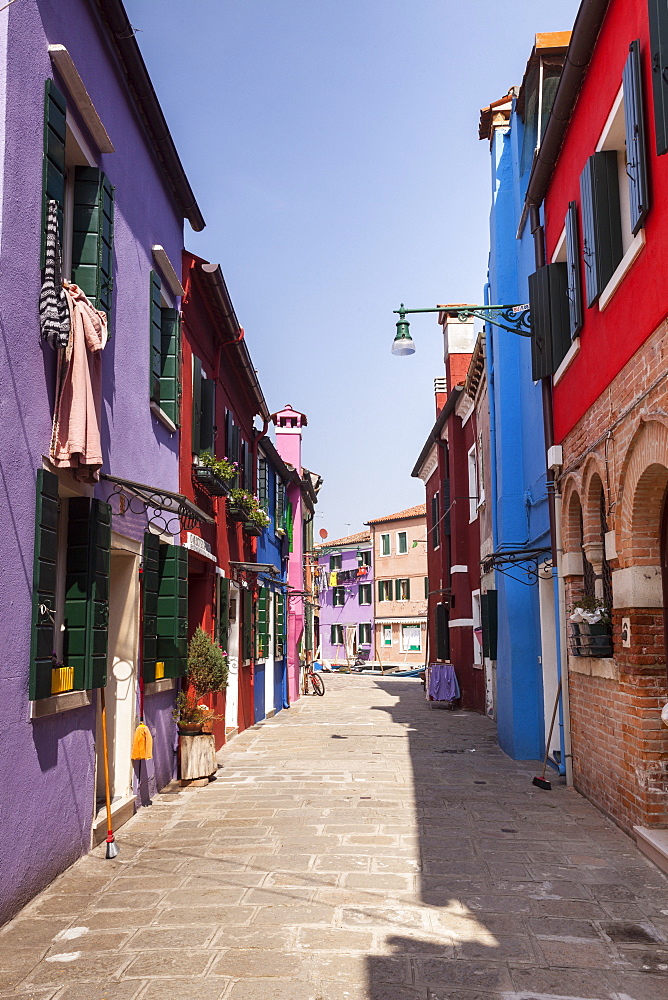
column 72, row 326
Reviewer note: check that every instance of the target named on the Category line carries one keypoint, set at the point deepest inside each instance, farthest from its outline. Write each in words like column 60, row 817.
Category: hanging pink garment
column 75, row 441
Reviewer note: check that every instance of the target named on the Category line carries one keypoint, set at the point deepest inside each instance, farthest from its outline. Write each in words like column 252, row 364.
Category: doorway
column 232, row 692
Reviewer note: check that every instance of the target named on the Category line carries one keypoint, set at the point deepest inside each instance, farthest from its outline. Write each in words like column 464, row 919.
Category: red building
column 219, row 398
column 449, row 466
column 599, row 308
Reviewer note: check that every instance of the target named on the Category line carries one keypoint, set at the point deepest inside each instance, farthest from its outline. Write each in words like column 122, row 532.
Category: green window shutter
column 634, row 123
column 550, row 319
column 223, row 611
column 208, row 418
column 172, row 607
column 93, row 236
column 573, row 269
column 247, row 626
column 280, row 505
column 53, row 164
column 289, row 524
column 263, row 484
column 170, row 366
column 426, row 588
column 262, row 624
column 150, row 583
column 408, row 590
column 87, row 591
column 601, row 221
column 155, row 334
column 658, row 33
column 490, row 623
column 44, row 584
column 197, row 405
column 442, row 632
column 279, row 626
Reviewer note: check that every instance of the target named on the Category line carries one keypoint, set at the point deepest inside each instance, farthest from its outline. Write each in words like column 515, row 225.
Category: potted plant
column 207, row 674
column 239, row 504
column 256, row 519
column 188, row 715
column 215, row 474
column 591, row 628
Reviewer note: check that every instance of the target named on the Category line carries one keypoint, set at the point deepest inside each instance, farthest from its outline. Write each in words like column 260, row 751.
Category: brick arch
column 570, row 518
column 644, row 482
column 591, row 503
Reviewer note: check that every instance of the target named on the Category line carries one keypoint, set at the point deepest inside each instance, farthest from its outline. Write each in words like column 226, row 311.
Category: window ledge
column 163, row 684
column 62, row 60
column 568, row 358
column 60, row 703
column 625, row 263
column 160, row 415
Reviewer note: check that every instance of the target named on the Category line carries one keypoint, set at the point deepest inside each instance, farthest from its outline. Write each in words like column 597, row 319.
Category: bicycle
column 315, row 679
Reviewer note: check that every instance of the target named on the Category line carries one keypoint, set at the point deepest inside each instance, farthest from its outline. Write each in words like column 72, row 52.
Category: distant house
column 345, row 583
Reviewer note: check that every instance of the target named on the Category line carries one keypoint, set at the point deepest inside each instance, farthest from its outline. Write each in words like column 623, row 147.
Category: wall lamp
column 516, row 319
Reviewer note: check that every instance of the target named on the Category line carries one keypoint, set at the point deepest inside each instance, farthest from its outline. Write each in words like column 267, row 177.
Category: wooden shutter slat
column 170, row 388
column 172, row 610
column 197, row 405
column 150, row 584
column 208, row 410
column 442, row 633
column 573, row 269
column 247, row 630
column 45, row 557
column 550, row 319
column 601, row 221
column 658, row 33
column 155, row 334
column 87, row 591
column 53, row 163
column 636, row 159
column 92, row 236
column 223, row 611
column 489, row 622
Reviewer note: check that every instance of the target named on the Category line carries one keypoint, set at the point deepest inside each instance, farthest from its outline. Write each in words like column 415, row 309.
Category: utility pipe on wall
column 563, row 649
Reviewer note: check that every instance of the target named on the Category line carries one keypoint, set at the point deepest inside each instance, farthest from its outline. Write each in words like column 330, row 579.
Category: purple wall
column 49, row 764
column 352, row 613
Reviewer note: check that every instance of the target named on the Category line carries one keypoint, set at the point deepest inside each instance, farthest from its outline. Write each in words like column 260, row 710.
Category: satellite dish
column 323, row 532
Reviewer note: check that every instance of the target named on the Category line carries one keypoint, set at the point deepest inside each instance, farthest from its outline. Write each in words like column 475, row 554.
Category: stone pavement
column 358, row 847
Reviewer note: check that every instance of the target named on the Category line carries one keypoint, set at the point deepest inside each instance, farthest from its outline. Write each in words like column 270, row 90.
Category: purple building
column 346, row 599
column 93, row 589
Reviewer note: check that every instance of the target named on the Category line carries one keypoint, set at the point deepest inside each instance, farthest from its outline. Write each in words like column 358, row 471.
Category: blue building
column 520, row 566
column 270, row 685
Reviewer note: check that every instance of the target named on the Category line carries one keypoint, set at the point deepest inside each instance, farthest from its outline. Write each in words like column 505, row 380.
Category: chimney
column 458, row 341
column 440, row 393
column 289, row 423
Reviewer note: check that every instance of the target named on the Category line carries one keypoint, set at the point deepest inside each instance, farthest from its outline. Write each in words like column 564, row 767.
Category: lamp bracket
column 514, row 318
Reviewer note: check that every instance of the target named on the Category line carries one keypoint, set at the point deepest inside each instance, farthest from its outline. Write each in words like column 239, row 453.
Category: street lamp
column 516, row 319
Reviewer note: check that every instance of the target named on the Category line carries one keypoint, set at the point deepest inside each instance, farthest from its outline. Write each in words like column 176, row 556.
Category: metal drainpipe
column 489, row 356
column 554, row 506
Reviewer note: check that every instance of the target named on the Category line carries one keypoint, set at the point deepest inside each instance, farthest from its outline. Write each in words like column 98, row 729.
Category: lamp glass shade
column 403, row 342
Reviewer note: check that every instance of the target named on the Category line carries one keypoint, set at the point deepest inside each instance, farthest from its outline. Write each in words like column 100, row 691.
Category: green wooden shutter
column 44, row 584
column 197, row 405
column 208, row 419
column 601, row 221
column 155, row 334
column 490, row 623
column 87, row 591
column 263, row 484
column 170, row 384
column 280, row 505
column 408, row 589
column 573, row 269
column 658, row 33
column 53, row 164
column 289, row 524
column 150, row 582
column 308, row 628
column 172, row 619
column 279, row 626
column 550, row 319
column 442, row 632
column 93, row 236
column 634, row 122
column 247, row 626
column 223, row 611
column 262, row 624
column 248, row 468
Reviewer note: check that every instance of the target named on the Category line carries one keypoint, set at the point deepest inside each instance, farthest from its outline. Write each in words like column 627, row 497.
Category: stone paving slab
column 355, row 847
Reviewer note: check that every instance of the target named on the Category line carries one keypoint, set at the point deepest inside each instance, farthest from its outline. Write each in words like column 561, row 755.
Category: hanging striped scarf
column 54, row 314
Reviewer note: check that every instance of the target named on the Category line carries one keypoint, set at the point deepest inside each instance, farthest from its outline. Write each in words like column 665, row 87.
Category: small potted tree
column 207, row 674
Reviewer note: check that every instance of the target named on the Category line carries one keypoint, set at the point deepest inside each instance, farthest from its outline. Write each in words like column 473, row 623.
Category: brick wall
column 620, row 747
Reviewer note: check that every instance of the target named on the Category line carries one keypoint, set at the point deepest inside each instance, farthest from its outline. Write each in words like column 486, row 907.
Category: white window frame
column 385, row 598
column 385, row 631
column 478, row 660
column 399, row 551
column 365, row 604
column 367, row 626
column 339, row 632
column 385, row 534
column 335, row 592
column 402, row 580
column 335, row 555
column 472, row 461
column 366, row 553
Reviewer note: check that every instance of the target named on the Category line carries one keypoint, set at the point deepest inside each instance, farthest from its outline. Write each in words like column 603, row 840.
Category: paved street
column 358, row 846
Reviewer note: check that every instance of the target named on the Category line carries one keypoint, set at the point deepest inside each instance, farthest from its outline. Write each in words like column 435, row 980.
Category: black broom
column 541, row 781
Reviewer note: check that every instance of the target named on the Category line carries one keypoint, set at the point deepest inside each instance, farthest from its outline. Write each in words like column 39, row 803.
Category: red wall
column 609, row 338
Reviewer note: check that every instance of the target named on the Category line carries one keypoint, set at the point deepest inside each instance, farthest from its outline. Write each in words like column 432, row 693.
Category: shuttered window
column 573, row 269
column 53, row 164
column 634, row 126
column 308, row 628
column 86, row 598
column 442, row 632
column 385, row 590
column 165, row 341
column 263, row 484
column 247, row 626
column 658, row 33
column 279, row 626
column 601, row 221
column 364, row 593
column 550, row 319
column 490, row 623
column 435, row 525
column 289, row 525
column 402, row 590
column 223, row 612
column 93, row 236
column 262, row 624
column 280, row 505
column 155, row 333
column 365, row 634
column 338, row 597
column 165, row 609
column 204, row 411
column 336, row 635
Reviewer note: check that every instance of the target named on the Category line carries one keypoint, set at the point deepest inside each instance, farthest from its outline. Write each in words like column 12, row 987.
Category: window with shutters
column 364, row 633
column 402, row 589
column 280, row 506
column 658, row 33
column 70, row 591
column 263, row 483
column 364, row 558
column 165, row 348
column 477, row 628
column 426, row 587
column 402, row 543
column 165, row 609
column 435, row 522
column 550, row 320
column 473, row 483
column 336, row 635
column 489, row 623
column 85, row 199
column 335, row 562
column 232, row 445
column 442, row 632
column 338, row 596
column 364, row 593
column 279, row 626
column 385, row 545
column 262, row 624
column 385, row 590
column 247, row 627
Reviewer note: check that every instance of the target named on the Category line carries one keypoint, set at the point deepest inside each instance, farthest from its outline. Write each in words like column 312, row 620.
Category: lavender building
column 346, row 599
column 81, row 128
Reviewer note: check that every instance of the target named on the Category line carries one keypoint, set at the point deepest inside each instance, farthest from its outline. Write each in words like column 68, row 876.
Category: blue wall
column 270, row 549
column 519, row 497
